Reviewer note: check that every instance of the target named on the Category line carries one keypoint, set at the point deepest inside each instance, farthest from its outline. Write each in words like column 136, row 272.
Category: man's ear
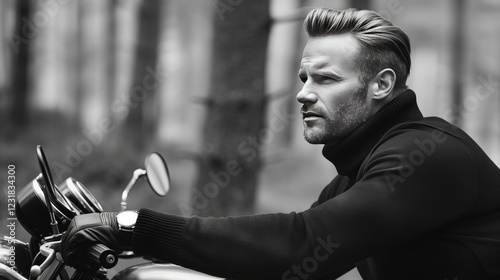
column 384, row 83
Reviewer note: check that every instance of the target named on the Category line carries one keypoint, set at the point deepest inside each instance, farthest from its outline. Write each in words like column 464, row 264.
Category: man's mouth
column 310, row 115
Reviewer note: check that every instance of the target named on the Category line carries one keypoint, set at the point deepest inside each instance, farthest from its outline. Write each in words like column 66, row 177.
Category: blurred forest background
column 210, row 85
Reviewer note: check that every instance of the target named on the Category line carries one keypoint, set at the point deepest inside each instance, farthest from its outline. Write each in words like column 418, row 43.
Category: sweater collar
column 348, row 154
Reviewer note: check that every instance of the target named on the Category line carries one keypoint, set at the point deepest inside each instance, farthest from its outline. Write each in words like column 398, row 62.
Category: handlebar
column 102, row 255
column 98, row 255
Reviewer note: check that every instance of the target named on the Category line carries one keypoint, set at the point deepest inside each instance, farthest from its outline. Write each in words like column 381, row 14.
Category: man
column 415, row 197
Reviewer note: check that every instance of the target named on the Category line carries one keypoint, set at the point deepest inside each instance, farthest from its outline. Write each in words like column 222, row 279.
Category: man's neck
column 348, row 153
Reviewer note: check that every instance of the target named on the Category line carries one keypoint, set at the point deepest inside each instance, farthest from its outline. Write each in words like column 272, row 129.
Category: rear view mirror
column 157, row 174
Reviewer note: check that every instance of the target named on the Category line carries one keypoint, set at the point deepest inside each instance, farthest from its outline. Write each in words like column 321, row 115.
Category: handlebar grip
column 101, row 254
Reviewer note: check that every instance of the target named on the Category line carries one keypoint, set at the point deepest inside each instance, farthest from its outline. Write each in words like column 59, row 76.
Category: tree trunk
column 145, row 81
column 234, row 130
column 111, row 53
column 20, row 40
column 79, row 85
column 457, row 58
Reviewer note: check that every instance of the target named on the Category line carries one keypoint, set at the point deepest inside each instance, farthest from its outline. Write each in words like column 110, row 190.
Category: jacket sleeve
column 406, row 187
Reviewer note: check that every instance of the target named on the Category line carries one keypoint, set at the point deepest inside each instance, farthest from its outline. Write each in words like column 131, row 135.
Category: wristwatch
column 126, row 224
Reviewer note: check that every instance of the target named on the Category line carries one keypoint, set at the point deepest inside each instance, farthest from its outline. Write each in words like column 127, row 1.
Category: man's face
column 334, row 100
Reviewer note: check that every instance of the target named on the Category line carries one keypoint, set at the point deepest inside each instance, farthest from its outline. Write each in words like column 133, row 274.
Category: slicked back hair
column 383, row 45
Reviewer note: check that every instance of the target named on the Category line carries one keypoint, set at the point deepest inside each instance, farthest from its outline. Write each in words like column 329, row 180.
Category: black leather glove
column 85, row 231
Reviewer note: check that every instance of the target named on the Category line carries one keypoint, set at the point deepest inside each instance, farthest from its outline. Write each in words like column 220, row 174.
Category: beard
column 338, row 124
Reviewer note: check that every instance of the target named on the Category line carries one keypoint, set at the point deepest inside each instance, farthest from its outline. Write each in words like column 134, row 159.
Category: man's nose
column 306, row 95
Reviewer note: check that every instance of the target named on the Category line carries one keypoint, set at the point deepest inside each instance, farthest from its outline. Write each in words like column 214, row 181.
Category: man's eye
column 327, row 79
column 303, row 78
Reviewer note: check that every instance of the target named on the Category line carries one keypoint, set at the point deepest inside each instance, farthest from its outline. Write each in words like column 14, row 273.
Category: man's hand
column 85, row 231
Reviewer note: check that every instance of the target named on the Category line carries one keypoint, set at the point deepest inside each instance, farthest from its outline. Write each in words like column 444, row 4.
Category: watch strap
column 126, row 225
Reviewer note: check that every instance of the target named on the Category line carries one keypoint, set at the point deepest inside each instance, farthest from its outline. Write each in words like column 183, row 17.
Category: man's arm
column 392, row 203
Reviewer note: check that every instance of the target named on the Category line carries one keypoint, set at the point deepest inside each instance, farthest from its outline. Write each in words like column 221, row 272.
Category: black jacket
column 415, row 198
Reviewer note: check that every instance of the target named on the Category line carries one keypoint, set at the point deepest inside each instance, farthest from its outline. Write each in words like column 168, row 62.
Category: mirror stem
column 138, row 173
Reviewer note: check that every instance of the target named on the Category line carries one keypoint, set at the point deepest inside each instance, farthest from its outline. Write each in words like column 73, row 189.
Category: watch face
column 127, row 219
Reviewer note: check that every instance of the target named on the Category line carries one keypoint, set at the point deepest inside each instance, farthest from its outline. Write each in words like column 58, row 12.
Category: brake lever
column 48, row 250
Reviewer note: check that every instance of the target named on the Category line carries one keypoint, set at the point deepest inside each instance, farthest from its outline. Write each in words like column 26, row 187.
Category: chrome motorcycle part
column 155, row 271
column 157, row 174
column 9, row 274
column 138, row 173
column 15, row 255
column 80, row 196
column 50, row 253
column 53, row 264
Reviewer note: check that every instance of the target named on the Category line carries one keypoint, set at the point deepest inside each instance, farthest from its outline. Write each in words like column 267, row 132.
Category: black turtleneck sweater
column 415, row 198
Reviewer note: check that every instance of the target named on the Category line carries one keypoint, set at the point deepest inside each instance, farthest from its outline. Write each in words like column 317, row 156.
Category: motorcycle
column 45, row 211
